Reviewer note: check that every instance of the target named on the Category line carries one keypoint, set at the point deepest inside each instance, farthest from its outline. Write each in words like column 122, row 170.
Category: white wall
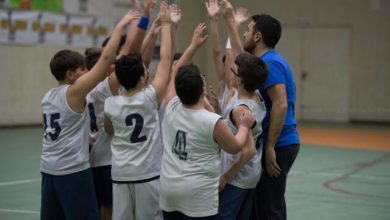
column 25, row 75
column 24, row 78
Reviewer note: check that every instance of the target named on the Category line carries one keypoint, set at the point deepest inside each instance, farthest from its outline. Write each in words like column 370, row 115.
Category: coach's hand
column 270, row 161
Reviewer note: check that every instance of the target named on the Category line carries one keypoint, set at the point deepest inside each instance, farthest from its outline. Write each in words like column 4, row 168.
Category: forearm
column 216, row 48
column 243, row 158
column 133, row 37
column 234, row 36
column 166, row 43
column 277, row 118
column 229, row 63
column 148, row 47
column 241, row 136
column 109, row 51
column 187, row 56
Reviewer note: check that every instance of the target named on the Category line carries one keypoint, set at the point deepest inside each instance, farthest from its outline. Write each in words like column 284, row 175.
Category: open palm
column 241, row 15
column 175, row 13
column 212, row 8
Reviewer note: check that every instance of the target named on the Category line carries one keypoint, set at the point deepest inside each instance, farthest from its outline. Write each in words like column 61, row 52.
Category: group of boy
column 157, row 150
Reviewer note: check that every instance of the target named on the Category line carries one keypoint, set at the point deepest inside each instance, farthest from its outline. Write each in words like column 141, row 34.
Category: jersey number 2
column 139, row 124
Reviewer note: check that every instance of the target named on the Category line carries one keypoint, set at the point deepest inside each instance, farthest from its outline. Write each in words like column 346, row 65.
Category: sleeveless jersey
column 65, row 139
column 136, row 144
column 249, row 175
column 227, row 106
column 191, row 161
column 100, row 154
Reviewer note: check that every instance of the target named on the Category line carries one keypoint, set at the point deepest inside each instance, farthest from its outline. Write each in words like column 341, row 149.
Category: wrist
column 214, row 18
column 225, row 176
column 143, row 23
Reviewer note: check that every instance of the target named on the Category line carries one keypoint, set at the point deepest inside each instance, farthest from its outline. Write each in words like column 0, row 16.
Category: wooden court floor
column 342, row 172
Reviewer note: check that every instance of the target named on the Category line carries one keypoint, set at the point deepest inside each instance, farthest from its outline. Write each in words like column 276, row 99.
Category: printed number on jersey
column 179, row 145
column 54, row 130
column 92, row 115
column 139, row 124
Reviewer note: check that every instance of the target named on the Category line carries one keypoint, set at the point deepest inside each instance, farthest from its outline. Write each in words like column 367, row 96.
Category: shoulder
column 172, row 104
column 110, row 102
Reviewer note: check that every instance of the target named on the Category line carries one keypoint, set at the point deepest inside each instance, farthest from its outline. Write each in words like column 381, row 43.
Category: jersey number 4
column 180, row 144
column 55, row 128
column 139, row 124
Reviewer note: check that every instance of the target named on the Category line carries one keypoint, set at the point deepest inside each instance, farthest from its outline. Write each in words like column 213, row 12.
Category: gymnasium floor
column 342, row 172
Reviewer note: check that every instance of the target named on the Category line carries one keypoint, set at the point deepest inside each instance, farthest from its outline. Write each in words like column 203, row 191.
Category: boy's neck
column 133, row 91
column 244, row 94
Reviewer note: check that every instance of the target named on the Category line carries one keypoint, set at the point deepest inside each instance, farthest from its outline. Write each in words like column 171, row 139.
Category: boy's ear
column 69, row 75
column 144, row 79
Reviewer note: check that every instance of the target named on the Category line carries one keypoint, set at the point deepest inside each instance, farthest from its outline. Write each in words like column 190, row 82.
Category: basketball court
column 342, row 172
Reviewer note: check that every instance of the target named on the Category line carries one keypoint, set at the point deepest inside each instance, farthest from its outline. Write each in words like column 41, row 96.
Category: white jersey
column 226, row 106
column 191, row 161
column 100, row 154
column 136, row 144
column 65, row 139
column 249, row 175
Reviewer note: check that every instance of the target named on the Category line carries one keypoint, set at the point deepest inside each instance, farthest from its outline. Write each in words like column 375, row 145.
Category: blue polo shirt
column 279, row 72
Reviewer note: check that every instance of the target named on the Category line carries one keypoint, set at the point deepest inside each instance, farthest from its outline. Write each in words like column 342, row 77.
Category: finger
column 277, row 167
column 213, row 93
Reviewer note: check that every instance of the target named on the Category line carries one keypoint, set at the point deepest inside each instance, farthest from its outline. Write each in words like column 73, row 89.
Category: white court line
column 17, row 182
column 20, row 211
column 327, row 174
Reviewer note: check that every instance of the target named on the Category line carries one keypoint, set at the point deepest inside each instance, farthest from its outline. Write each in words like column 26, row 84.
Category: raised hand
column 212, row 8
column 175, row 14
column 136, row 5
column 226, row 9
column 199, row 37
column 128, row 17
column 241, row 15
column 164, row 13
column 148, row 7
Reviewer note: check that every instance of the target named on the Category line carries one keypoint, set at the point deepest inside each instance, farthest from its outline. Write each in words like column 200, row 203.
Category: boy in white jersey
column 100, row 153
column 191, row 161
column 241, row 172
column 133, row 120
column 67, row 186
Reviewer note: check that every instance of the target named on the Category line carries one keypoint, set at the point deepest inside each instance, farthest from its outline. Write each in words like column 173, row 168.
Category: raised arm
column 149, row 42
column 175, row 15
column 247, row 152
column 163, row 71
column 84, row 84
column 136, row 32
column 213, row 12
column 198, row 39
column 233, row 24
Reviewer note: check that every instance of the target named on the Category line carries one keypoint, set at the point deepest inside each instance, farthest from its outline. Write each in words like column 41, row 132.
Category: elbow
column 281, row 106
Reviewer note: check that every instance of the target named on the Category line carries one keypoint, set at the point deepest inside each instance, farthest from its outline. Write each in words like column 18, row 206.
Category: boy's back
column 65, row 137
column 138, row 157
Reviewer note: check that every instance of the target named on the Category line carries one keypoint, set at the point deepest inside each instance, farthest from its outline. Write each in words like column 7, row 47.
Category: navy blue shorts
column 103, row 185
column 235, row 203
column 69, row 196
